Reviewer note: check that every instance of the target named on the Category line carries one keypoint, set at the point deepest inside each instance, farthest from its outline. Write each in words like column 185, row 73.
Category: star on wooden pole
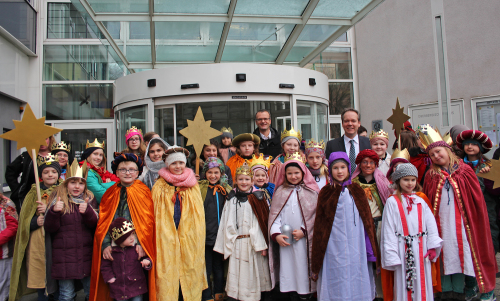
column 198, row 132
column 493, row 174
column 398, row 119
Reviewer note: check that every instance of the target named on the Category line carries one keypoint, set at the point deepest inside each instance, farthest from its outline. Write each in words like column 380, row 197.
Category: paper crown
column 403, row 154
column 75, row 171
column 260, row 161
column 126, row 227
column 313, row 144
column 61, row 146
column 428, row 135
column 95, row 144
column 244, row 170
column 380, row 134
column 291, row 133
column 49, row 159
column 295, row 156
column 227, row 130
column 133, row 131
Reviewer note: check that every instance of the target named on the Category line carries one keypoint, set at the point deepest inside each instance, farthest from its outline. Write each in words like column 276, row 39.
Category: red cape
column 141, row 209
column 467, row 193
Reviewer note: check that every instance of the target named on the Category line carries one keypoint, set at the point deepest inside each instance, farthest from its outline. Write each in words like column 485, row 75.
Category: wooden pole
column 37, row 180
column 197, row 164
column 399, row 141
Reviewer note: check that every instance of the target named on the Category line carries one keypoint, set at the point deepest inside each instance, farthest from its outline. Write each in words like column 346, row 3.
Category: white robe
column 384, row 165
column 392, row 247
column 248, row 273
column 322, row 181
column 294, row 271
column 345, row 274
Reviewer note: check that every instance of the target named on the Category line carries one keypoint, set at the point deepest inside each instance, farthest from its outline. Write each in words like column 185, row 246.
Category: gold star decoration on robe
column 30, row 132
column 493, row 174
column 398, row 118
column 198, row 132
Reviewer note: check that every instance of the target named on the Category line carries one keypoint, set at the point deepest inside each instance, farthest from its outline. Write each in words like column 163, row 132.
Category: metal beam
column 362, row 13
column 225, row 31
column 323, row 45
column 296, row 32
column 152, row 38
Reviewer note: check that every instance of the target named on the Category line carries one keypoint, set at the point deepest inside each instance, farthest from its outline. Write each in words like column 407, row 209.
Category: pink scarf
column 186, row 179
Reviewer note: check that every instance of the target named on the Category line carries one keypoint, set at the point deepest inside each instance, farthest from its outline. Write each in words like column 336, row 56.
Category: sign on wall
column 429, row 113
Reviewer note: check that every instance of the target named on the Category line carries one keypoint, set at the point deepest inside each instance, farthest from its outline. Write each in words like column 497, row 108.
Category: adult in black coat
column 270, row 138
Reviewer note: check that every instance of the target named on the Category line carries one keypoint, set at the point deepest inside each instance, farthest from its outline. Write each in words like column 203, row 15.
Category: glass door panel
column 127, row 118
column 336, row 129
column 164, row 119
column 312, row 120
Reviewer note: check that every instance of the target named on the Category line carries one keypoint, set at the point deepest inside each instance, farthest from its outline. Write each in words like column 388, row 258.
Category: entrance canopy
column 149, row 34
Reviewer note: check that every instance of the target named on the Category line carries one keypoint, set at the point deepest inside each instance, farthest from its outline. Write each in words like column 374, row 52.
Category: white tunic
column 451, row 258
column 392, row 247
column 248, row 273
column 345, row 273
column 294, row 272
column 322, row 181
column 384, row 165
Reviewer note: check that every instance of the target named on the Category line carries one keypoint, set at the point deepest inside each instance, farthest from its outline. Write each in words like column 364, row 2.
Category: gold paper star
column 198, row 132
column 30, row 132
column 398, row 118
column 493, row 174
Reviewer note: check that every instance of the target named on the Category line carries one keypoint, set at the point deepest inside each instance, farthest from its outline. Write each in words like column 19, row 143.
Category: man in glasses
column 270, row 141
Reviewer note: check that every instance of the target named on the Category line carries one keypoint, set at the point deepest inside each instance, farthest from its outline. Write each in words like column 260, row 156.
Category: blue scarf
column 474, row 163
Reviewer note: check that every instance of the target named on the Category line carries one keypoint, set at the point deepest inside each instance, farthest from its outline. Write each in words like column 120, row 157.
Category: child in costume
column 246, row 145
column 71, row 220
column 290, row 143
column 214, row 190
column 418, row 157
column 135, row 143
column 243, row 239
column 94, row 170
column 226, row 148
column 462, row 219
column 125, row 281
column 291, row 224
column 63, row 153
column 475, row 144
column 32, row 261
column 156, row 152
column 8, row 230
column 316, row 161
column 260, row 168
column 129, row 199
column 343, row 227
column 180, row 230
column 380, row 142
column 409, row 236
column 398, row 157
column 208, row 151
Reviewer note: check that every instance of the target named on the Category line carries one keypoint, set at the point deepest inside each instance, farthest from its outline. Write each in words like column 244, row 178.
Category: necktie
column 352, row 156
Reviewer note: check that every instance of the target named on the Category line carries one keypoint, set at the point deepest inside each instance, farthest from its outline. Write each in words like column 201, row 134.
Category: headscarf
column 318, row 150
column 212, row 162
column 127, row 158
column 334, row 158
column 383, row 139
column 308, row 178
column 153, row 167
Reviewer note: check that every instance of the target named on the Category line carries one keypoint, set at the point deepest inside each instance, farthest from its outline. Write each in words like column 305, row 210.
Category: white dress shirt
column 347, row 144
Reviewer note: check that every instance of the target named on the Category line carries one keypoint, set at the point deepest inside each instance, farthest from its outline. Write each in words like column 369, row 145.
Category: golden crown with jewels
column 260, row 161
column 61, row 146
column 95, row 144
column 403, row 154
column 49, row 159
column 227, row 130
column 126, row 227
column 291, row 133
column 427, row 134
column 313, row 144
column 380, row 134
column 244, row 170
column 74, row 171
column 295, row 156
column 133, row 130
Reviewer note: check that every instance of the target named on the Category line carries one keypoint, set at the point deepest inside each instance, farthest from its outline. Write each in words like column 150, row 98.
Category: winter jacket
column 270, row 147
column 128, row 272
column 22, row 164
column 96, row 185
column 72, row 241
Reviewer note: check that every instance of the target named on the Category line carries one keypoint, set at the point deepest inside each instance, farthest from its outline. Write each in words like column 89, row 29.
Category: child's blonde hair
column 63, row 193
column 454, row 162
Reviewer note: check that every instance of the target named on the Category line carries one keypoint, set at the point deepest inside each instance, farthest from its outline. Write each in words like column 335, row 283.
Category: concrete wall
column 14, row 66
column 396, row 57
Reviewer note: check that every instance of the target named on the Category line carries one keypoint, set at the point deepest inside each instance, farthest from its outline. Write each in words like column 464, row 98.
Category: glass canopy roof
column 148, row 34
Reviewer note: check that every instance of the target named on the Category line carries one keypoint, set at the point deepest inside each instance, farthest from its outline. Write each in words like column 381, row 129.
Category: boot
column 219, row 297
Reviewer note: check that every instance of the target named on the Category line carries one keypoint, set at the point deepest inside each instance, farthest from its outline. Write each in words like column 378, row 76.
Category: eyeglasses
column 366, row 163
column 263, row 119
column 134, row 139
column 125, row 171
column 62, row 155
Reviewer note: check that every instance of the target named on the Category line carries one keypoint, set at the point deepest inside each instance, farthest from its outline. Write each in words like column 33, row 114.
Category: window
column 334, row 62
column 127, row 118
column 19, row 19
column 64, row 21
column 341, row 96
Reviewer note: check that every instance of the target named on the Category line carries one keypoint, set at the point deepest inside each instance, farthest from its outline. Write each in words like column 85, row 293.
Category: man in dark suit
column 350, row 142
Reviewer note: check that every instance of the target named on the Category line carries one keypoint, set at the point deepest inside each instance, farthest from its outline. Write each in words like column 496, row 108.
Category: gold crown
column 260, row 161
column 46, row 160
column 295, row 156
column 313, row 144
column 403, row 154
column 380, row 134
column 428, row 135
column 227, row 130
column 127, row 227
column 134, row 130
column 95, row 144
column 244, row 170
column 447, row 138
column 291, row 133
column 74, row 170
column 61, row 146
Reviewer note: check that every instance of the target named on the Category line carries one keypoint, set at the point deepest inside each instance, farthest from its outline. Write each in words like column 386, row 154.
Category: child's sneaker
column 471, row 293
column 488, row 296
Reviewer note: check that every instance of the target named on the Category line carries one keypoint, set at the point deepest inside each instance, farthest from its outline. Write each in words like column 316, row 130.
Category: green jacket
column 95, row 184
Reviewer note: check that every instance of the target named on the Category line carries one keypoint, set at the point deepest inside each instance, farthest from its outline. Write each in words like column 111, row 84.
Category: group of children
column 304, row 225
